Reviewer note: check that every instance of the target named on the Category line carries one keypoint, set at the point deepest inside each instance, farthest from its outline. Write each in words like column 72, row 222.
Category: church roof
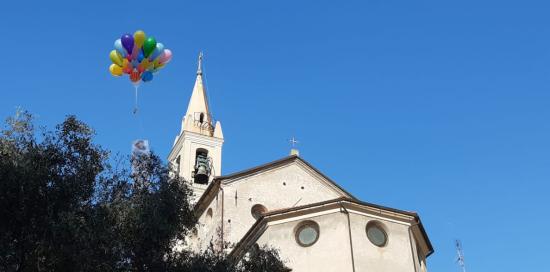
column 214, row 186
column 261, row 224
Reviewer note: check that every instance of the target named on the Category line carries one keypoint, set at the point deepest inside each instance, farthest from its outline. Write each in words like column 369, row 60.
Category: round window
column 258, row 210
column 376, row 234
column 307, row 233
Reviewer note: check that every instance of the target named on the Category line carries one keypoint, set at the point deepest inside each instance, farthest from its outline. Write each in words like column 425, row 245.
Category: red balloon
column 135, row 76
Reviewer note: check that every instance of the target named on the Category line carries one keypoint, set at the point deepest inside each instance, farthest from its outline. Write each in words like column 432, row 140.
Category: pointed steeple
column 198, row 118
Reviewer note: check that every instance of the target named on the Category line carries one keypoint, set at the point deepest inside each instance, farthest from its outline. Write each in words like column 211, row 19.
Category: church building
column 289, row 205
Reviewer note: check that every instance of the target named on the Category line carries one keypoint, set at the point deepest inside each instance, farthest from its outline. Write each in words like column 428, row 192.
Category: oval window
column 258, row 210
column 307, row 233
column 376, row 234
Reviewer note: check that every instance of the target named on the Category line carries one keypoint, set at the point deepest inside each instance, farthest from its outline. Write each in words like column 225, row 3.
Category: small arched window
column 202, row 167
column 201, row 152
column 201, row 118
column 209, row 216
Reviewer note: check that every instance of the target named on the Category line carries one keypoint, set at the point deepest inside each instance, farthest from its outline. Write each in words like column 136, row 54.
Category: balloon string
column 136, row 99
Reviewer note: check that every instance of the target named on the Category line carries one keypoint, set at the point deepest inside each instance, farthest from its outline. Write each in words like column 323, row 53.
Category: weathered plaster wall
column 282, row 188
column 332, row 252
column 397, row 255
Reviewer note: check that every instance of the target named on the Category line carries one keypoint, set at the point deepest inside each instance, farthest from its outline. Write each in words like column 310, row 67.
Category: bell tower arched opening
column 203, row 166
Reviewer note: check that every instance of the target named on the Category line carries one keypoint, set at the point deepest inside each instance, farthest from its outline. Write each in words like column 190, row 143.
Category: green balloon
column 148, row 46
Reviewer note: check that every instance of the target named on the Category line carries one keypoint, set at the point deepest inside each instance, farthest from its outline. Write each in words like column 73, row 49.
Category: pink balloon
column 135, row 52
column 166, row 56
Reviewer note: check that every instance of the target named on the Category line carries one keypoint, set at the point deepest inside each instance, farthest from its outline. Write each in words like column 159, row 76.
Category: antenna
column 460, row 255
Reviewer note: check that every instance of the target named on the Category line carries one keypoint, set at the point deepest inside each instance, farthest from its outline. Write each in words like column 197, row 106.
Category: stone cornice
column 195, row 137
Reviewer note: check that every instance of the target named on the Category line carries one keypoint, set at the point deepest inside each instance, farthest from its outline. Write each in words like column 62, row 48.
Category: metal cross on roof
column 293, row 142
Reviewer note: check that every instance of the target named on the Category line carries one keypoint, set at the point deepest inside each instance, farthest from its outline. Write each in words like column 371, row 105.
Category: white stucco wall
column 277, row 188
column 396, row 255
column 208, row 229
column 332, row 251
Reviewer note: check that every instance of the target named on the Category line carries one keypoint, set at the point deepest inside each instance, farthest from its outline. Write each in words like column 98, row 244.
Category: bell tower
column 197, row 152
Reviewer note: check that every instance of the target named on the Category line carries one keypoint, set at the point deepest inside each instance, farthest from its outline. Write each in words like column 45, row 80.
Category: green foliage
column 262, row 259
column 63, row 207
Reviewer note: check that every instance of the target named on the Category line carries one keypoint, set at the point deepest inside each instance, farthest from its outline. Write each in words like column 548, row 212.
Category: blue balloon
column 119, row 48
column 140, row 56
column 147, row 76
column 158, row 50
column 135, row 63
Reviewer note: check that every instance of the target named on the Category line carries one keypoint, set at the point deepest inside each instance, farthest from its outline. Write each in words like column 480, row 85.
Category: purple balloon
column 128, row 43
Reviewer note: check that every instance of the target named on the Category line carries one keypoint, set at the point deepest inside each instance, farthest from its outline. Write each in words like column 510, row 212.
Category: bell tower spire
column 198, row 118
column 197, row 150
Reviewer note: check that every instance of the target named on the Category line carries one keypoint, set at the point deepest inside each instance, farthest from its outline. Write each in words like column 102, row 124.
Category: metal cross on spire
column 199, row 69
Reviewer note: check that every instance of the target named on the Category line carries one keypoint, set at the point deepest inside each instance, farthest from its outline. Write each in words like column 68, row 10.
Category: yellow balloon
column 145, row 62
column 125, row 63
column 115, row 70
column 116, row 58
column 139, row 38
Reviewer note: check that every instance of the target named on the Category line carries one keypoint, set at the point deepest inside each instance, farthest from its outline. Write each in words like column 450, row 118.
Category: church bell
column 202, row 168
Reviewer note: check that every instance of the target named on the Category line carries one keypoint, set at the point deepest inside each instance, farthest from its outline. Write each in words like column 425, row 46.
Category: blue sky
column 441, row 107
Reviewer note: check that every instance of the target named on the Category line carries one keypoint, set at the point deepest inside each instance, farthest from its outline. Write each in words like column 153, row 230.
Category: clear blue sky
column 441, row 107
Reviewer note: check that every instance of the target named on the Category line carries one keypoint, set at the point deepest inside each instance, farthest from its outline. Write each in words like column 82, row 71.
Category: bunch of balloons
column 138, row 56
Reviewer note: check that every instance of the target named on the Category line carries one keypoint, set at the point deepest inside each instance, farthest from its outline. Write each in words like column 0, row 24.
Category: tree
column 65, row 207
